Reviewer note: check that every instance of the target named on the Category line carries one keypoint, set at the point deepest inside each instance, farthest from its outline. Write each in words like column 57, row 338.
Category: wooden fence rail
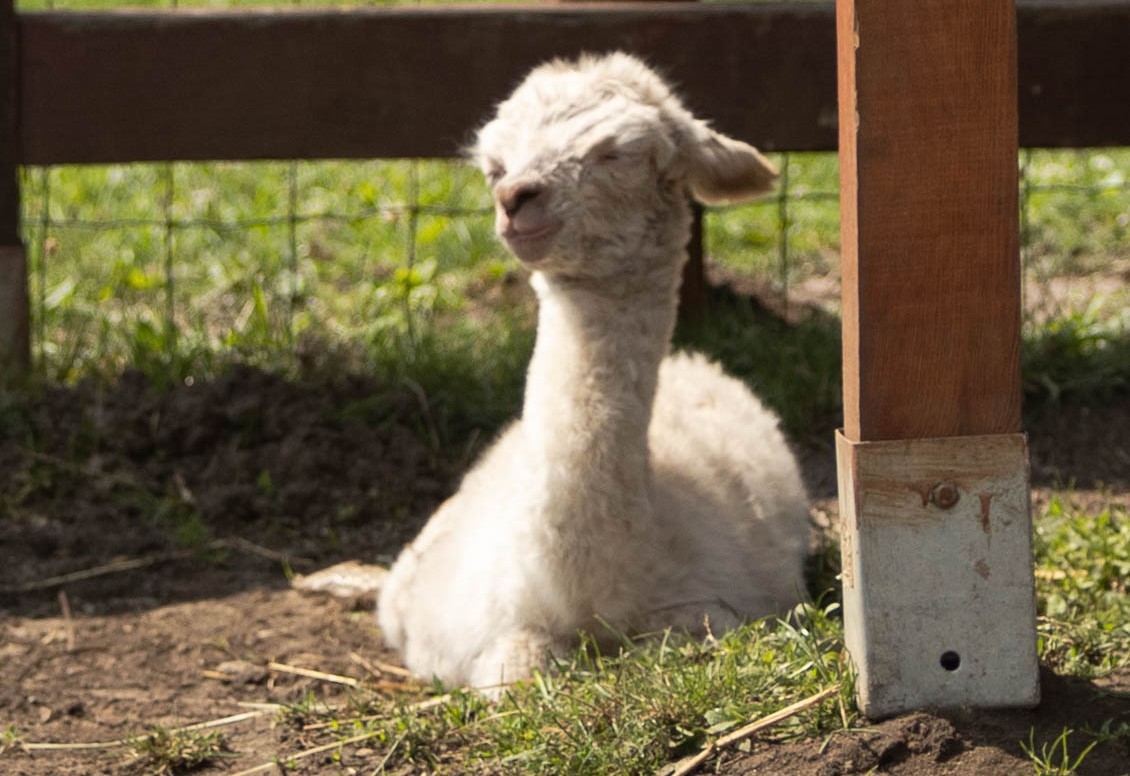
column 412, row 82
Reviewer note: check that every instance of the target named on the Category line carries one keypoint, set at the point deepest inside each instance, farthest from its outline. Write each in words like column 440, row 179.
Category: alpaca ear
column 720, row 169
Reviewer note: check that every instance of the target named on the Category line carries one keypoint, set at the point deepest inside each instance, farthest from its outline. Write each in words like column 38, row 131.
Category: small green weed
column 1054, row 758
column 302, row 711
column 9, row 737
column 164, row 752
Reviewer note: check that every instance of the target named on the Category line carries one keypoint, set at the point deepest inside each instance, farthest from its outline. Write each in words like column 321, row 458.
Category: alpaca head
column 591, row 163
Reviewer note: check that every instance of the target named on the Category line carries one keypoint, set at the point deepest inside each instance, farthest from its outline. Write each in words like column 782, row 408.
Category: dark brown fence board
column 105, row 87
column 397, row 82
column 1074, row 62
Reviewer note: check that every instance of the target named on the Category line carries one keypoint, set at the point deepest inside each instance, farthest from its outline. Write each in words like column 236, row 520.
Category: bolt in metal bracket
column 939, row 597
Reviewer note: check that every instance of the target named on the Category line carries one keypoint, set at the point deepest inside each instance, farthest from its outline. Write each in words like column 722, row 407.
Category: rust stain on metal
column 986, row 503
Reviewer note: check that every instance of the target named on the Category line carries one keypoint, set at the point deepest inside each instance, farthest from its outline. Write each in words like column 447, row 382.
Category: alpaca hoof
column 511, row 658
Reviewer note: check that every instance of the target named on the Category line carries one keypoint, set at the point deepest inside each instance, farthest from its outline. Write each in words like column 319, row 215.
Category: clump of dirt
column 962, row 742
column 193, row 505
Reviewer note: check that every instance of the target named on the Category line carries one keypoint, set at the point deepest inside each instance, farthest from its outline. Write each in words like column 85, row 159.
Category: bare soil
column 267, row 475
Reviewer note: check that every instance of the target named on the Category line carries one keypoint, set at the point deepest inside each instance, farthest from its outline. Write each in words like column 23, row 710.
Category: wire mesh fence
column 183, row 257
column 175, row 260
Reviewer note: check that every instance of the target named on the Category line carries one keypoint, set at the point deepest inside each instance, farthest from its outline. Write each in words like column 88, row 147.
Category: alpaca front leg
column 513, row 656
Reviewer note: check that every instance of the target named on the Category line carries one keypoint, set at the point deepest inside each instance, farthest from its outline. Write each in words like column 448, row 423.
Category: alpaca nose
column 512, row 199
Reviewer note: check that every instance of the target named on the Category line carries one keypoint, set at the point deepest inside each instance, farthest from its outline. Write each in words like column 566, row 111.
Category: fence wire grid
column 179, row 258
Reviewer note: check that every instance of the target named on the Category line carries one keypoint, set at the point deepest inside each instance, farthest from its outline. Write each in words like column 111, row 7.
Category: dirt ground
column 300, row 475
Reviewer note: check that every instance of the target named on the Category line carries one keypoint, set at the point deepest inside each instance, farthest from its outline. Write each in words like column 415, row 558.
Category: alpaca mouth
column 531, row 245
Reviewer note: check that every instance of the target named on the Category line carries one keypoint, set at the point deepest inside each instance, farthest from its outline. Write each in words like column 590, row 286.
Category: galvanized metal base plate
column 939, row 600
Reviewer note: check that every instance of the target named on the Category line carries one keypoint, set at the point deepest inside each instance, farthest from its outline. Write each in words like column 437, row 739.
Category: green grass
column 804, row 212
column 1082, row 574
column 1078, row 208
column 628, row 713
column 173, row 268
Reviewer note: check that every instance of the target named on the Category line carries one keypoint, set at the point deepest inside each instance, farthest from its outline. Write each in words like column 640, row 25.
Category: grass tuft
column 1054, row 758
column 1081, row 354
column 164, row 752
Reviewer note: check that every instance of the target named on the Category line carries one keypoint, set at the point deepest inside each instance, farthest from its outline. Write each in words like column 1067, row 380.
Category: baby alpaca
column 638, row 489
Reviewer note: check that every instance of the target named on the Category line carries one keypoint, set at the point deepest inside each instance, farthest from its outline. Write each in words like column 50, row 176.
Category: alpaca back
column 728, row 488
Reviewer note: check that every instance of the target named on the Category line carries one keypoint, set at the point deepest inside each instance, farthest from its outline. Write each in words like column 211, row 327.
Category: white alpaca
column 638, row 489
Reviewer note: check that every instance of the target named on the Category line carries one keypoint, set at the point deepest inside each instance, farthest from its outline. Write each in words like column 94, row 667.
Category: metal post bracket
column 939, row 595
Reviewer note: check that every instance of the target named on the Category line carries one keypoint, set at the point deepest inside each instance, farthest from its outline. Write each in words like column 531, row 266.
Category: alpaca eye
column 495, row 174
column 606, row 151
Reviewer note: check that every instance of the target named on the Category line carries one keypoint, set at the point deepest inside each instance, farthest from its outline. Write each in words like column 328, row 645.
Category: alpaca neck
column 589, row 393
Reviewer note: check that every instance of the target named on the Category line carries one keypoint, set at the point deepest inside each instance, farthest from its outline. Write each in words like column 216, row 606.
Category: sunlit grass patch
column 653, row 702
column 1077, row 207
column 1082, row 576
column 792, row 232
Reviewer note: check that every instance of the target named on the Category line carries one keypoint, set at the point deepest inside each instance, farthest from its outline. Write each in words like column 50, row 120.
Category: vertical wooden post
column 693, row 292
column 14, row 343
column 938, row 590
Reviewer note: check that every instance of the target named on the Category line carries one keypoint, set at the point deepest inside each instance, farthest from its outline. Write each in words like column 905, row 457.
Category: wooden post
column 693, row 291
column 14, row 344
column 938, row 589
